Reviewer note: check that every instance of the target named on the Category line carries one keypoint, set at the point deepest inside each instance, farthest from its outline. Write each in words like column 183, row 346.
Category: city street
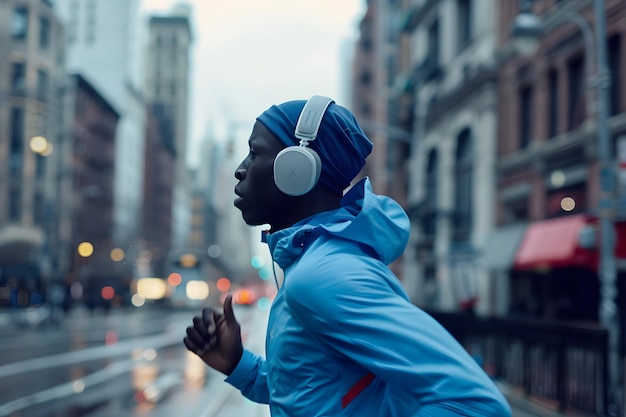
column 126, row 363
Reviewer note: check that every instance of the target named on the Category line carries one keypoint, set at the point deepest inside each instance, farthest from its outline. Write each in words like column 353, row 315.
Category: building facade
column 93, row 169
column 32, row 82
column 548, row 159
column 496, row 140
column 448, row 92
column 159, row 166
column 167, row 76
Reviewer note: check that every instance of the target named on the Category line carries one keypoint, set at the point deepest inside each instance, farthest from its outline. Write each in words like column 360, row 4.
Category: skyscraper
column 105, row 47
column 167, row 74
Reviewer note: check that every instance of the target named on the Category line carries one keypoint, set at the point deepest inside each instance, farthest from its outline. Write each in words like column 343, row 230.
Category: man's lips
column 238, row 199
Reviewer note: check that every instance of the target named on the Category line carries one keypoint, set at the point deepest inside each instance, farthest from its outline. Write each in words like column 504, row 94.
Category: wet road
column 127, row 363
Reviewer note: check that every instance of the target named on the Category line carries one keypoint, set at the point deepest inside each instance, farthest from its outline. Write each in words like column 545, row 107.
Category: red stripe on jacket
column 356, row 389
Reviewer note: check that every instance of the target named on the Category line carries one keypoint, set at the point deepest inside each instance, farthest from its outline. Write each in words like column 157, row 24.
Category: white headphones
column 297, row 168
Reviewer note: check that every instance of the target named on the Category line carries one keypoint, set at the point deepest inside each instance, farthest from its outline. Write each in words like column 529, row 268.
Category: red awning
column 555, row 243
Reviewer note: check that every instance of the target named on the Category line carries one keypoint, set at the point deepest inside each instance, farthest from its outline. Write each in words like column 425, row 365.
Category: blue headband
column 341, row 143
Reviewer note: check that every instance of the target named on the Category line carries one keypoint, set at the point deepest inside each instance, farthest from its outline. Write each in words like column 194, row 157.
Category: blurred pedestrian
column 343, row 338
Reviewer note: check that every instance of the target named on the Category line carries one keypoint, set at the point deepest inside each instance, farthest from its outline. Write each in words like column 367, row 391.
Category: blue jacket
column 343, row 338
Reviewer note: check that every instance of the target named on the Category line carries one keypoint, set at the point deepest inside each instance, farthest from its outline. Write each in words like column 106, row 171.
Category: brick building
column 548, row 170
column 92, row 191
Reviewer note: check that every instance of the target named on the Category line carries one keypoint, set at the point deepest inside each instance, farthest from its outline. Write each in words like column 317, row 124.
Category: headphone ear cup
column 296, row 170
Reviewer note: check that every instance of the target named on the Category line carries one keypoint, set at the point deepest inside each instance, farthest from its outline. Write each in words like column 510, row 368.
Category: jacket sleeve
column 360, row 310
column 250, row 377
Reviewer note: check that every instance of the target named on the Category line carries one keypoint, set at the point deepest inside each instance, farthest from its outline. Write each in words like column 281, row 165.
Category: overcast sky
column 250, row 54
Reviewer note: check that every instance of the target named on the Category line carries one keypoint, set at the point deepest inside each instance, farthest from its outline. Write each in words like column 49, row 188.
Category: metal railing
column 560, row 365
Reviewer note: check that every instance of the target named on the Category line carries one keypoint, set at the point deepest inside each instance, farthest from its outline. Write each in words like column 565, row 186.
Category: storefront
column 555, row 270
column 20, row 274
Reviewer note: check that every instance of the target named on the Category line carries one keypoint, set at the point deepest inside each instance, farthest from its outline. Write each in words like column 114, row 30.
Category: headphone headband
column 311, row 118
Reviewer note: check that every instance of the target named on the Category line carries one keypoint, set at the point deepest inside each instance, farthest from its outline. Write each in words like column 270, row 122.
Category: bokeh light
column 107, row 292
column 38, row 144
column 197, row 290
column 264, row 303
column 78, row 386
column 223, row 284
column 174, row 279
column 568, row 204
column 85, row 249
column 244, row 296
column 149, row 354
column 265, row 273
column 48, row 150
column 557, row 178
column 117, row 254
column 137, row 300
column 188, row 260
column 257, row 261
column 151, row 288
column 214, row 251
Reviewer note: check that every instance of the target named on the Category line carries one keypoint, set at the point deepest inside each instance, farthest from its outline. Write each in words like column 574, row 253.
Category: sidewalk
column 522, row 407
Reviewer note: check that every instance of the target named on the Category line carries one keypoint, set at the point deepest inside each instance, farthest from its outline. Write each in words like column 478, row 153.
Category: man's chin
column 250, row 221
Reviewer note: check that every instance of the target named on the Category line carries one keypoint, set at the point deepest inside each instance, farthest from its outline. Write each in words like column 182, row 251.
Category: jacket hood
column 374, row 221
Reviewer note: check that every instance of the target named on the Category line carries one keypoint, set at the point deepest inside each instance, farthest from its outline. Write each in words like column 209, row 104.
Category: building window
column 42, row 84
column 433, row 44
column 15, row 203
column 432, row 169
column 615, row 59
column 39, row 209
column 17, row 131
column 174, row 48
column 464, row 10
column 44, row 32
column 525, row 117
column 40, row 166
column 366, row 78
column 431, row 289
column 464, row 187
column 391, row 69
column 16, row 156
column 576, row 109
column 18, row 77
column 553, row 103
column 19, row 24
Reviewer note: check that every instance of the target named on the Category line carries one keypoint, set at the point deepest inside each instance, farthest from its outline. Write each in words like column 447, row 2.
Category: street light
column 524, row 26
column 526, row 30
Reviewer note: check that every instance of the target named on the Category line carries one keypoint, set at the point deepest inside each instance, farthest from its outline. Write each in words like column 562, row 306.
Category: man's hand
column 216, row 337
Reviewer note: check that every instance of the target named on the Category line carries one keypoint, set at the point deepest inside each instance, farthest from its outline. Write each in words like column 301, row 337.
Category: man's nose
column 240, row 174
